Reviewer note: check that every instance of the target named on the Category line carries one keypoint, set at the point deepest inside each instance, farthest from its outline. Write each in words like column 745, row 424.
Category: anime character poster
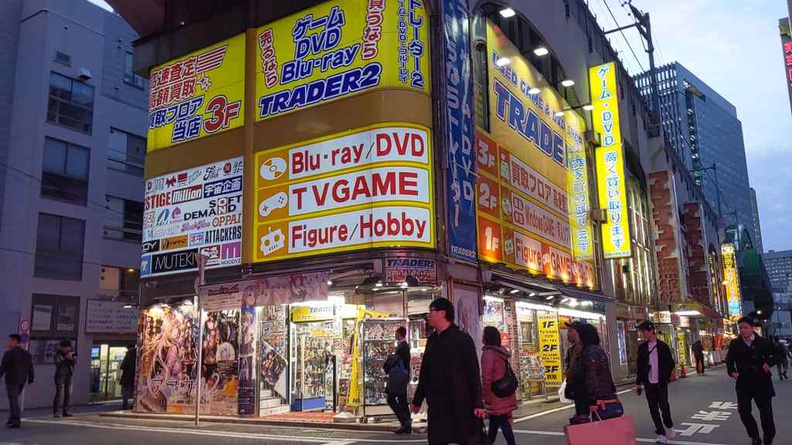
column 468, row 318
column 166, row 362
column 220, row 375
column 272, row 349
column 247, row 351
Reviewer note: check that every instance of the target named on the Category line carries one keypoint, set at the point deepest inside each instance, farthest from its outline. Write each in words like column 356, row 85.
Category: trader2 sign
column 370, row 187
column 195, row 211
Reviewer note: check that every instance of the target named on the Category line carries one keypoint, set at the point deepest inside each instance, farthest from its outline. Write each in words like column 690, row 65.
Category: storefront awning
column 585, row 295
column 691, row 307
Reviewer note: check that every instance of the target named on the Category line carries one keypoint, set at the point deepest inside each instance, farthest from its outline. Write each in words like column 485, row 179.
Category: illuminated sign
column 197, row 95
column 339, row 49
column 731, row 280
column 549, row 343
column 193, row 211
column 371, row 187
column 610, row 161
column 532, row 182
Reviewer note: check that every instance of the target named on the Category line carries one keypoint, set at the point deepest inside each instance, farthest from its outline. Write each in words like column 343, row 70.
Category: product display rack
column 379, row 342
column 309, row 375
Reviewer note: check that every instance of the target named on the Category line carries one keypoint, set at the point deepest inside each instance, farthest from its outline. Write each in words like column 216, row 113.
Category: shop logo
column 145, row 265
column 150, row 246
column 196, row 239
column 212, row 255
column 173, row 261
column 272, row 242
column 274, row 202
column 177, row 242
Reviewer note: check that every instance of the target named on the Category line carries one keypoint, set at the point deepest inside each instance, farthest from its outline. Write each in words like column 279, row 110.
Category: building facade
column 756, row 222
column 779, row 267
column 72, row 140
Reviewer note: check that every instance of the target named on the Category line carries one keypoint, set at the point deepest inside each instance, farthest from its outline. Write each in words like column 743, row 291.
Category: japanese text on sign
column 550, row 351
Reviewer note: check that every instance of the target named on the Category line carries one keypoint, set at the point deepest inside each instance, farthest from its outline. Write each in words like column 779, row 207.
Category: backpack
column 398, row 377
column 506, row 385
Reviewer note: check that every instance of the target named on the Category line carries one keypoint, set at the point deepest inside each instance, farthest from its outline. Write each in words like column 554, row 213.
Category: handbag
column 506, row 385
column 617, row 431
column 562, row 393
column 610, row 408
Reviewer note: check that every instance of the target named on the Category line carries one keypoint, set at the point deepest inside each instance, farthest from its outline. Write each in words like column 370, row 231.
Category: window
column 59, row 247
column 126, row 153
column 123, row 219
column 55, row 316
column 70, row 103
column 130, row 78
column 64, row 173
column 117, row 281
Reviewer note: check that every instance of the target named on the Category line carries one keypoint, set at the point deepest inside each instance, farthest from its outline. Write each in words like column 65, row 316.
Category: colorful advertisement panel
column 197, row 95
column 370, row 187
column 670, row 279
column 338, row 49
column 550, row 351
column 532, row 181
column 459, row 127
column 731, row 278
column 193, row 211
column 610, row 161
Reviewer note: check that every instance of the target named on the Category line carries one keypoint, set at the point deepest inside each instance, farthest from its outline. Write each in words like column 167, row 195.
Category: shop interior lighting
column 503, row 61
column 541, row 51
column 329, row 282
column 404, row 285
column 534, row 90
column 549, row 297
column 127, row 306
column 559, row 113
column 564, row 300
column 378, row 284
column 507, row 12
column 535, row 306
column 580, row 314
column 687, row 313
column 493, row 298
column 163, row 305
column 567, row 82
column 423, row 289
column 187, row 302
column 514, row 291
column 588, row 107
column 130, row 270
column 573, row 303
column 532, row 294
column 759, row 312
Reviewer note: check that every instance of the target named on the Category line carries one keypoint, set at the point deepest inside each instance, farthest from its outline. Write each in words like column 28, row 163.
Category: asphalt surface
column 703, row 409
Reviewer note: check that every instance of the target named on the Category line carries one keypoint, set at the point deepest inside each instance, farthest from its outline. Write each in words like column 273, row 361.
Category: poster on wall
column 272, row 349
column 247, row 356
column 166, row 360
column 339, row 49
column 550, row 351
column 220, row 375
column 468, row 317
column 189, row 212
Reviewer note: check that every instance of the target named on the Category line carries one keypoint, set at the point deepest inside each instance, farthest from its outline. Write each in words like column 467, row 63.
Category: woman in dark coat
column 594, row 369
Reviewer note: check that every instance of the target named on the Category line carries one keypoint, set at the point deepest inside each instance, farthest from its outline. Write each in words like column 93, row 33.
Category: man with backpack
column 398, row 369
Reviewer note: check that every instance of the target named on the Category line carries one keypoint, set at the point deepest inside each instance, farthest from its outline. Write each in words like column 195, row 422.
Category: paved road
column 702, row 408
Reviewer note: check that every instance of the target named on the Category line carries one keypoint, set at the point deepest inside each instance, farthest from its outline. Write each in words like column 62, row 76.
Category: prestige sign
column 195, row 211
column 371, row 187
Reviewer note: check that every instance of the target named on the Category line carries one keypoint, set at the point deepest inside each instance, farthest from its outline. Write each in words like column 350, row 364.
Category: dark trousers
column 398, row 403
column 504, row 423
column 62, row 392
column 765, row 405
column 700, row 365
column 127, row 392
column 657, row 397
column 13, row 392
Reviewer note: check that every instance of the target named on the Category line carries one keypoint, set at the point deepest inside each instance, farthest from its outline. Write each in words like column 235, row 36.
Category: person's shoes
column 756, row 441
column 68, row 415
column 14, row 425
column 407, row 430
column 768, row 441
column 56, row 415
column 9, row 423
column 671, row 433
column 661, row 439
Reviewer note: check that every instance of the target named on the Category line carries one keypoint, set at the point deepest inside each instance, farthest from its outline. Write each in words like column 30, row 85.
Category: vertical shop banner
column 697, row 253
column 610, row 161
column 670, row 280
column 197, row 95
column 247, row 354
column 189, row 212
column 786, row 49
column 550, row 351
column 167, row 358
column 731, row 278
column 459, row 127
column 220, row 376
column 338, row 49
column 364, row 188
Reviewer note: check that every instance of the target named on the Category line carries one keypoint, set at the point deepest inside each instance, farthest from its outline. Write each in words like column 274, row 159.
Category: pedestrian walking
column 655, row 365
column 495, row 367
column 782, row 353
column 698, row 356
column 596, row 380
column 749, row 361
column 574, row 389
column 64, row 370
column 450, row 381
column 398, row 369
column 17, row 367
column 128, row 376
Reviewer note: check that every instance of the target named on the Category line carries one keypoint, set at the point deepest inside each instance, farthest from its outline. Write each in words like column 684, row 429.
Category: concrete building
column 756, row 222
column 72, row 145
column 779, row 267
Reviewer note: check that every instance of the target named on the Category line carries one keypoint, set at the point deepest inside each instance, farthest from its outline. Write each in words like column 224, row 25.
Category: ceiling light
column 378, row 284
column 588, row 107
column 424, row 289
column 532, row 294
column 549, row 298
column 188, row 302
column 329, row 282
column 567, row 82
column 503, row 61
column 130, row 270
column 759, row 312
column 689, row 313
column 534, row 90
column 541, row 51
column 514, row 291
column 507, row 12
column 404, row 285
column 127, row 306
column 559, row 113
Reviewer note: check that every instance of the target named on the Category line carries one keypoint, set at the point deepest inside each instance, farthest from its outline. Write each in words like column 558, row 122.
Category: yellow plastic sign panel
column 369, row 187
column 611, row 182
column 550, row 353
column 197, row 95
column 338, row 49
column 731, row 278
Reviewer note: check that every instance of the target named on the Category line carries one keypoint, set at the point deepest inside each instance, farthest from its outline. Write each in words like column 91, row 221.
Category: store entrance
column 106, row 360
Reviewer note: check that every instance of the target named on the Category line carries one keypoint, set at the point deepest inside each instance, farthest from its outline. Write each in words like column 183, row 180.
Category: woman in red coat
column 493, row 368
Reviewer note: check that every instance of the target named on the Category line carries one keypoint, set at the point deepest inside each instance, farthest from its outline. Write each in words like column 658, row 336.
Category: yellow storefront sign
column 338, row 49
column 731, row 279
column 611, row 182
column 303, row 314
column 197, row 95
column 550, row 351
column 369, row 187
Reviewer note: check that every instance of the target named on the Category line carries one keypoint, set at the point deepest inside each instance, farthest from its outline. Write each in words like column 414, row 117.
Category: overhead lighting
column 127, row 306
column 423, row 289
column 548, row 298
column 759, row 312
column 187, row 302
column 573, row 303
column 532, row 294
column 503, row 61
column 690, row 313
column 130, row 270
column 567, row 82
column 559, row 113
column 378, row 284
column 514, row 291
column 534, row 90
column 404, row 285
column 588, row 107
column 329, row 282
column 541, row 51
column 507, row 12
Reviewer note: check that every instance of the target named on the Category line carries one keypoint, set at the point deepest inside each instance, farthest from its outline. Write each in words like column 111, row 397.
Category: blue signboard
column 459, row 131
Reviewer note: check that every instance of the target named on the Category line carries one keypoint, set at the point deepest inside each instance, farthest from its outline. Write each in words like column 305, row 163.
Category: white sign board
column 106, row 317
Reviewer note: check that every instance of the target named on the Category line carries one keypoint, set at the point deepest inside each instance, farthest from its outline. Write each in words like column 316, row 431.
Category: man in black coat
column 17, row 367
column 655, row 365
column 128, row 376
column 64, row 370
column 450, row 381
column 749, row 361
column 397, row 398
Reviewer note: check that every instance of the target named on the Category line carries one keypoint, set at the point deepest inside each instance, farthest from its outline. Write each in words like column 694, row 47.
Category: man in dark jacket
column 64, row 370
column 17, row 367
column 698, row 355
column 450, row 380
column 397, row 397
column 749, row 362
column 655, row 365
column 128, row 376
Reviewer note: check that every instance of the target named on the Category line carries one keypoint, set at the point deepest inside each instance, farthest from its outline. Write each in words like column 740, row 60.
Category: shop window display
column 378, row 343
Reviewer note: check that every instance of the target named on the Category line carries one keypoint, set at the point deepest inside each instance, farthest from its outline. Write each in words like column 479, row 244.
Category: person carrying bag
column 499, row 385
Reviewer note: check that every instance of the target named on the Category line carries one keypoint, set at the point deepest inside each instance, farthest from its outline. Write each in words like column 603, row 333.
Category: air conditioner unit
column 593, row 138
column 598, row 215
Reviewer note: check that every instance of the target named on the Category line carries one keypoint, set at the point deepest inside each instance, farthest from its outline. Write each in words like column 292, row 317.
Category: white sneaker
column 661, row 439
column 671, row 433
